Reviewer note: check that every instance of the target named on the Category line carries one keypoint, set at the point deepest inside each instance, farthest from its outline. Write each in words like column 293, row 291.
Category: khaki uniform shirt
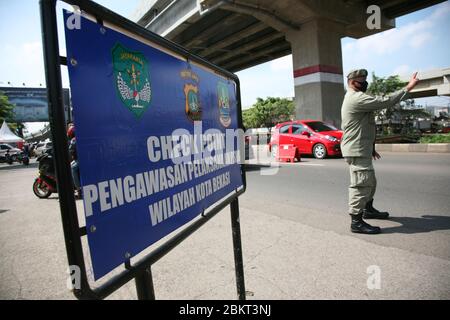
column 358, row 120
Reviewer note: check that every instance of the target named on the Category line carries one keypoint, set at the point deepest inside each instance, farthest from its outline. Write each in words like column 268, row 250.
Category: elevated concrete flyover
column 432, row 83
column 240, row 34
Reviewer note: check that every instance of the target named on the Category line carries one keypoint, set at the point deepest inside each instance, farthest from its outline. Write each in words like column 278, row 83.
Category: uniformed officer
column 358, row 123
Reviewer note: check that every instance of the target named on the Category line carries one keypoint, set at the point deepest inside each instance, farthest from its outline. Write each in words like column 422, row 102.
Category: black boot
column 359, row 226
column 371, row 213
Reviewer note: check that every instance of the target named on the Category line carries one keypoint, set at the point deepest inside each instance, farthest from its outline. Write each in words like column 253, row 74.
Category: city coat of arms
column 131, row 78
column 192, row 108
column 224, row 104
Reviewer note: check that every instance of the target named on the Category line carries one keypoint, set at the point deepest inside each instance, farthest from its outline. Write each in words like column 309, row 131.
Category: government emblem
column 131, row 77
column 193, row 108
column 224, row 104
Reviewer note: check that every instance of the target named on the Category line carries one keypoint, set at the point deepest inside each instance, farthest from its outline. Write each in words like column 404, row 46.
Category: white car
column 4, row 148
column 41, row 147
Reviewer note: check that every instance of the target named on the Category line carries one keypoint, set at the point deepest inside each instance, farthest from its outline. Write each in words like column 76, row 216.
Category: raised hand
column 413, row 82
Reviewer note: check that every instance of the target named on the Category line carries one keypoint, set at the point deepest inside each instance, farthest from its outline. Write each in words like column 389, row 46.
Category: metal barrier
column 73, row 233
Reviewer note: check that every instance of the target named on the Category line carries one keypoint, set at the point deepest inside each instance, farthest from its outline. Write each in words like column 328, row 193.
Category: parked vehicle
column 6, row 159
column 21, row 157
column 9, row 154
column 311, row 137
column 45, row 184
column 446, row 127
column 7, row 148
column 41, row 147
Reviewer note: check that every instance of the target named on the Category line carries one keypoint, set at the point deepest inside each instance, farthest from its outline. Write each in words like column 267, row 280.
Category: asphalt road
column 413, row 187
column 295, row 237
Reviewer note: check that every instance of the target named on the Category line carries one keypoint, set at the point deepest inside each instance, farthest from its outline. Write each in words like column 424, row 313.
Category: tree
column 268, row 112
column 7, row 114
column 405, row 112
column 6, row 108
column 249, row 118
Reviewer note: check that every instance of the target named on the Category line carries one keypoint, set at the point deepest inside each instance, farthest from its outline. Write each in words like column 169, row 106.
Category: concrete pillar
column 318, row 79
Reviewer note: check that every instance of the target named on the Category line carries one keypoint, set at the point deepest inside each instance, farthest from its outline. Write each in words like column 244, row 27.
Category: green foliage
column 268, row 112
column 383, row 86
column 6, row 114
column 6, row 108
column 249, row 118
column 412, row 114
column 405, row 111
column 435, row 138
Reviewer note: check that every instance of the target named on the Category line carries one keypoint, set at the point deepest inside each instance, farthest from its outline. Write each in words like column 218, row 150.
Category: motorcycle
column 6, row 158
column 45, row 184
column 15, row 157
column 22, row 157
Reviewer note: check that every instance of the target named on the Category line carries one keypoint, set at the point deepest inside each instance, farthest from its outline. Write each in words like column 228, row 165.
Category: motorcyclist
column 26, row 149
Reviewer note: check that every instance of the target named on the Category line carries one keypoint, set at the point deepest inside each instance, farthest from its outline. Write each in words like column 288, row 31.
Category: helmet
column 71, row 132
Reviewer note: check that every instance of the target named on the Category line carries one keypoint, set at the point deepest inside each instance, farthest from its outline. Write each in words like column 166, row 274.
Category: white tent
column 6, row 136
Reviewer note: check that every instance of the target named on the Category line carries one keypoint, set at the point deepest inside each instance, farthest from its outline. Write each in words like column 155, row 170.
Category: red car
column 309, row 136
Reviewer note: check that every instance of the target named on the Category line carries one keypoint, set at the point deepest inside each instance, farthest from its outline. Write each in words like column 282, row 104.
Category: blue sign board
column 153, row 140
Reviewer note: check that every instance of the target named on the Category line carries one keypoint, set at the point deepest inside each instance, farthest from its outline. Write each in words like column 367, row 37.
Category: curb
column 414, row 147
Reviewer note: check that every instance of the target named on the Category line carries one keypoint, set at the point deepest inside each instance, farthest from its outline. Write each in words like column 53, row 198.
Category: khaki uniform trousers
column 363, row 183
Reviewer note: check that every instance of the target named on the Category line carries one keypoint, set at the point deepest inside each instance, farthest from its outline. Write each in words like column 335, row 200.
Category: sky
column 420, row 41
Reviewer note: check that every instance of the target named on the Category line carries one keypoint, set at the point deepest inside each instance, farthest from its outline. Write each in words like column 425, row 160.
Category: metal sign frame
column 73, row 233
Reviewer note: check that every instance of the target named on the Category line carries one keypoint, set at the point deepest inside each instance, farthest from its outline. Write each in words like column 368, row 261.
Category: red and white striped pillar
column 318, row 76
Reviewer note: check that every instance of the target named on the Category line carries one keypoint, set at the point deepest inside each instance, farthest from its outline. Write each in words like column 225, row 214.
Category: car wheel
column 274, row 151
column 319, row 151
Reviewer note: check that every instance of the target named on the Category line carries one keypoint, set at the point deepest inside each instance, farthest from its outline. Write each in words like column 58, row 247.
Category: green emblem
column 224, row 104
column 131, row 78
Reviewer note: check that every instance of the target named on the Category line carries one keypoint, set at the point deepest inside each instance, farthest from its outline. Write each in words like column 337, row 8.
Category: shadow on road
column 257, row 167
column 310, row 156
column 426, row 223
column 55, row 196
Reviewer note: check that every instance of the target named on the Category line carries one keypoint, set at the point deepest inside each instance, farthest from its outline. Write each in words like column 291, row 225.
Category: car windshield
column 320, row 126
column 285, row 129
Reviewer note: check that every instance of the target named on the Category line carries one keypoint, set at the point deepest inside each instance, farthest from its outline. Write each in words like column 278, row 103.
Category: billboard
column 31, row 103
column 156, row 140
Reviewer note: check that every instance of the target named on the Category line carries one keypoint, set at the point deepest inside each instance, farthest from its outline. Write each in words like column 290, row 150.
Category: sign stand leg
column 237, row 248
column 144, row 285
